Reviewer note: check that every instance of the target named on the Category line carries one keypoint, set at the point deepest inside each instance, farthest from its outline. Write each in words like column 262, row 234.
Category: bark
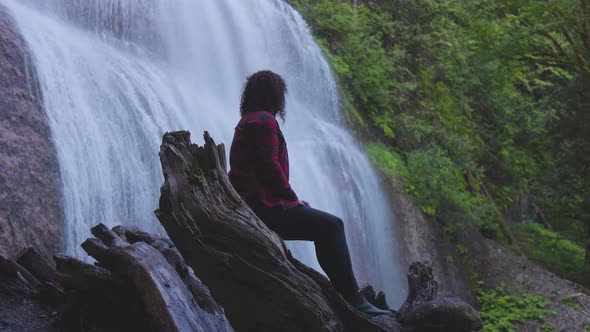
column 250, row 271
column 14, row 270
column 167, row 289
column 423, row 311
column 34, row 262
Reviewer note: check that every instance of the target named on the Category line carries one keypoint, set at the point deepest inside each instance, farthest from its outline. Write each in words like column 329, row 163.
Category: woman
column 259, row 171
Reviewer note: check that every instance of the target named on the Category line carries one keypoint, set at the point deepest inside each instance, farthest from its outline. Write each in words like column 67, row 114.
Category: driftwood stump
column 424, row 312
column 147, row 277
column 245, row 264
column 248, row 268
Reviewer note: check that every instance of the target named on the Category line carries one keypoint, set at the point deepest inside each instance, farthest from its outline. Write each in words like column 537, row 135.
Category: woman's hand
column 302, row 202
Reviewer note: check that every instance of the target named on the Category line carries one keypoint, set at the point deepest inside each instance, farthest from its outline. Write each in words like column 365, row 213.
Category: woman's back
column 259, row 161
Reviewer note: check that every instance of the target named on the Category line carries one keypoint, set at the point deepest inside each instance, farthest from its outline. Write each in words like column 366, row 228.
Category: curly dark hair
column 264, row 90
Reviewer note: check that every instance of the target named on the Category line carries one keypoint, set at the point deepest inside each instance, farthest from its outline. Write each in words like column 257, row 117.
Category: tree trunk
column 247, row 266
column 149, row 276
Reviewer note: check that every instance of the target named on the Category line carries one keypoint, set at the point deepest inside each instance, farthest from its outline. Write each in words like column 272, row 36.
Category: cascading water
column 116, row 74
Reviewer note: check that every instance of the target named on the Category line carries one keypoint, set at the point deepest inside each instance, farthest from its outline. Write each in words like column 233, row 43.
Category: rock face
column 423, row 240
column 30, row 208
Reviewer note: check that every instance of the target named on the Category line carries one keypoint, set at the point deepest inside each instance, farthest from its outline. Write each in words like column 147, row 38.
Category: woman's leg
column 327, row 233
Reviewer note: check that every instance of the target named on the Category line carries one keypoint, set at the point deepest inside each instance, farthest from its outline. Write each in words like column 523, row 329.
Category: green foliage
column 500, row 310
column 353, row 41
column 434, row 180
column 485, row 104
column 387, row 160
column 571, row 302
column 548, row 248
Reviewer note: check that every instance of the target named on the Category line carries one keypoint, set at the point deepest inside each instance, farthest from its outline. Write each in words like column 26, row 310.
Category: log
column 252, row 274
column 170, row 304
column 30, row 259
column 75, row 274
column 12, row 269
column 93, row 293
column 200, row 292
column 422, row 288
column 423, row 312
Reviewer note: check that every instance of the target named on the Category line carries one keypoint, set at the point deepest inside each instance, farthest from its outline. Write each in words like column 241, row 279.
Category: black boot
column 360, row 302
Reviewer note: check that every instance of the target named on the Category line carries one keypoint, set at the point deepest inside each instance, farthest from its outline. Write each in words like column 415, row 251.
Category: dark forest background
column 480, row 107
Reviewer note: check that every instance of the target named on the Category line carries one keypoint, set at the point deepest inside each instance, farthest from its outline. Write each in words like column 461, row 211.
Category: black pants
column 327, row 233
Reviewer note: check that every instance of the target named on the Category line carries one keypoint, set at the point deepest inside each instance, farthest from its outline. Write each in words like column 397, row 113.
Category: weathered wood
column 422, row 288
column 30, row 259
column 376, row 298
column 200, row 292
column 443, row 314
column 244, row 263
column 75, row 274
column 351, row 318
column 169, row 302
column 95, row 293
column 423, row 312
column 13, row 269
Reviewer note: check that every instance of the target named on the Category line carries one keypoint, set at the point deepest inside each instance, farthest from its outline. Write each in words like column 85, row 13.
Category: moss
column 195, row 176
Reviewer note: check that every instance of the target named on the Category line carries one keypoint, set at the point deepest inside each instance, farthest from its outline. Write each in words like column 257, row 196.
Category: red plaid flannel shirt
column 259, row 162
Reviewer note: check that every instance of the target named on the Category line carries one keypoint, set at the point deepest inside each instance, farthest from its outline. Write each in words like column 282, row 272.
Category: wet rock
column 30, row 208
column 422, row 239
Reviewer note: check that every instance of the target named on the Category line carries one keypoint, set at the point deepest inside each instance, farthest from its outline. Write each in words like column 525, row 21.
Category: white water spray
column 116, row 74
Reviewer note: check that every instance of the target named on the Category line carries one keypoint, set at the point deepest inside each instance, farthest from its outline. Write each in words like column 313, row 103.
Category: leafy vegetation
column 572, row 303
column 550, row 249
column 500, row 311
column 387, row 160
column 480, row 106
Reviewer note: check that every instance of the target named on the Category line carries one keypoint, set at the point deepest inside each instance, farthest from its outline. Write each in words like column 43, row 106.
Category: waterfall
column 116, row 74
